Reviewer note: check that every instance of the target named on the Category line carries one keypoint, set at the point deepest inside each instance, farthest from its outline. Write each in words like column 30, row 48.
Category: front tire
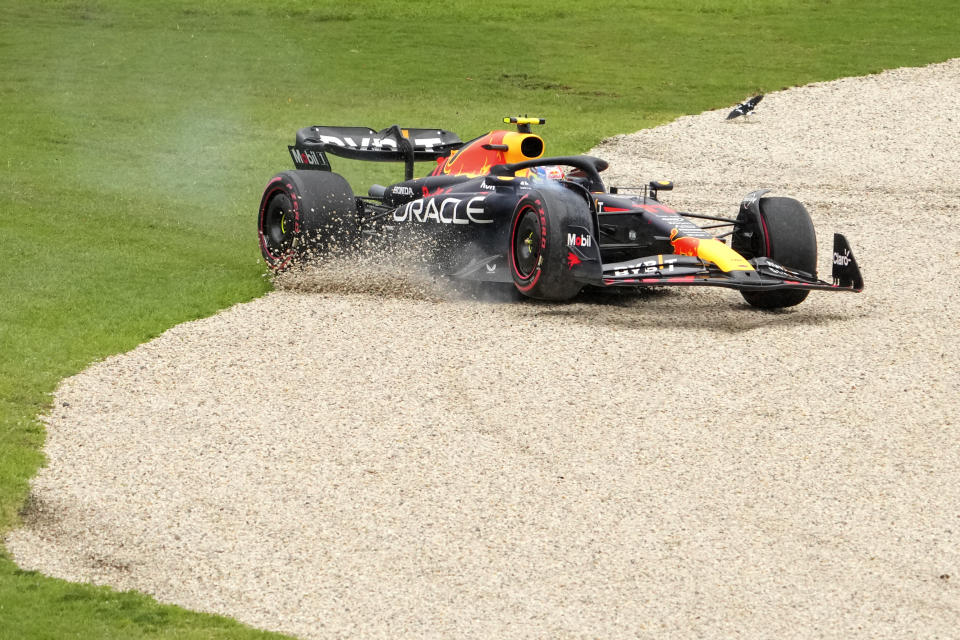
column 783, row 232
column 538, row 251
column 304, row 213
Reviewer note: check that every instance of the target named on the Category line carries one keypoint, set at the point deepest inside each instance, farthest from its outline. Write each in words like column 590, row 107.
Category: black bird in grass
column 745, row 107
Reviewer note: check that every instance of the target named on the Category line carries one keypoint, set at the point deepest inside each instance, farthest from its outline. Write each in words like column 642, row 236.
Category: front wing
column 680, row 270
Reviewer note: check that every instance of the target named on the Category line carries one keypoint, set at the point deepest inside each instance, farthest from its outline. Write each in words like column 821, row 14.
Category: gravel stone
column 365, row 453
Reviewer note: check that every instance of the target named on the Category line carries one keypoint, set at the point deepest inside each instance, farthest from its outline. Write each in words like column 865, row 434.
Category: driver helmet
column 547, row 172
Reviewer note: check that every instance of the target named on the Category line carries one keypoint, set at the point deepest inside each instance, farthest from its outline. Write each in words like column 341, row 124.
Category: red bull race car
column 494, row 209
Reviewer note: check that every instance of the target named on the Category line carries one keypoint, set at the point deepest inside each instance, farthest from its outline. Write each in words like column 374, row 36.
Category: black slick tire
column 538, row 250
column 305, row 213
column 783, row 232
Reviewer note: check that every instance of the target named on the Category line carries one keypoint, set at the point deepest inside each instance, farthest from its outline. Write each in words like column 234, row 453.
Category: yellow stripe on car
column 721, row 255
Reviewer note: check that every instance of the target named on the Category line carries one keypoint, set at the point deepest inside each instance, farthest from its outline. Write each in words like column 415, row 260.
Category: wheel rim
column 527, row 242
column 278, row 224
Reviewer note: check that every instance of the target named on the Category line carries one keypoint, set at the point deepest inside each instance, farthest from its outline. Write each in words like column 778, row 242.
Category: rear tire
column 538, row 249
column 303, row 213
column 784, row 232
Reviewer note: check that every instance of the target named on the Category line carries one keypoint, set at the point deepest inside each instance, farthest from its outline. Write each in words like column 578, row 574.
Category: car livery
column 495, row 209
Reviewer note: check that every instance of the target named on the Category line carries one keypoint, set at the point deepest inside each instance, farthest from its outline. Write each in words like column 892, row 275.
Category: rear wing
column 393, row 144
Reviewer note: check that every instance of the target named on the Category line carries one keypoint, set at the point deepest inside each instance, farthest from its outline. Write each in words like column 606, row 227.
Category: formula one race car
column 494, row 209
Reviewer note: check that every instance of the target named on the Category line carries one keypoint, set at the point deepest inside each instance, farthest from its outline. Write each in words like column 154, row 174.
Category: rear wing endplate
column 393, row 144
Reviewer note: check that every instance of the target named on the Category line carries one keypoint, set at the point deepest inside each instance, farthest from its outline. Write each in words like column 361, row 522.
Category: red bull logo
column 497, row 147
column 709, row 250
column 684, row 246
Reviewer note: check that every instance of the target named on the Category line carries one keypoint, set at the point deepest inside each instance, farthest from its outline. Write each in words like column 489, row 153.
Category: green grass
column 33, row 606
column 135, row 139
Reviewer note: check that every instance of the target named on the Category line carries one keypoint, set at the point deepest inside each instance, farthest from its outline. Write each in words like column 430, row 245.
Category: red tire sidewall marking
column 273, row 187
column 525, row 283
column 766, row 236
